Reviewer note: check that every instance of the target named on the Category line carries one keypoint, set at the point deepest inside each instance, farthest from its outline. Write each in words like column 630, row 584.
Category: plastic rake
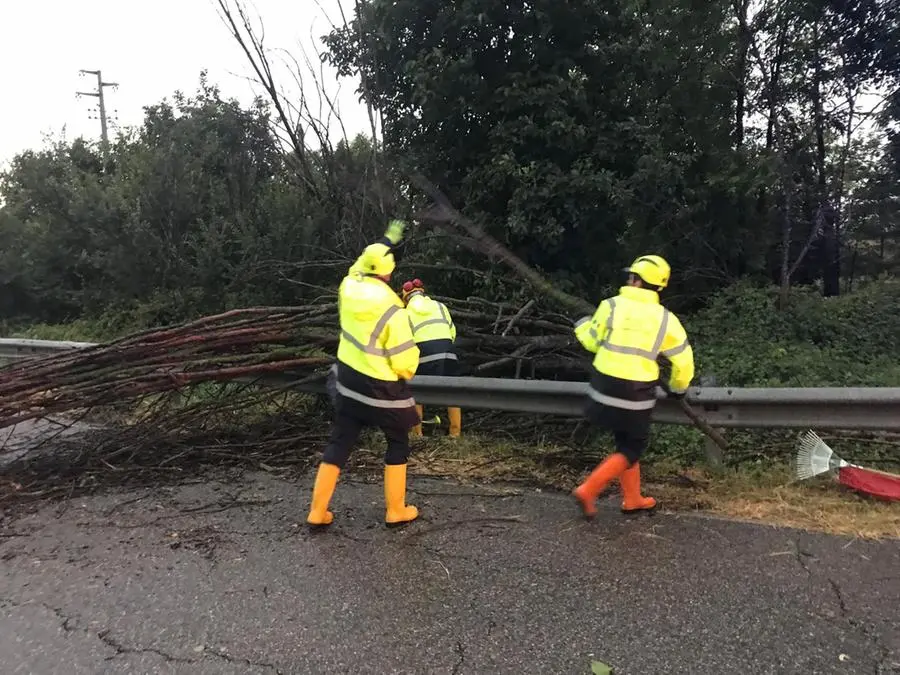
column 815, row 457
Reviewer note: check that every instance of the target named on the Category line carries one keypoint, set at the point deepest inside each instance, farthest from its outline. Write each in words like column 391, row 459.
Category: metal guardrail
column 874, row 408
column 12, row 349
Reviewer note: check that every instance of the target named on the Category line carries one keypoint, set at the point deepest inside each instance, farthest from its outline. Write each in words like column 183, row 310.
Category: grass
column 76, row 331
column 767, row 495
column 774, row 497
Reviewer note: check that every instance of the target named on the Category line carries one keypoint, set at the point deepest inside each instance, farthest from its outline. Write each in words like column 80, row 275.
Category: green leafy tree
column 196, row 210
column 580, row 134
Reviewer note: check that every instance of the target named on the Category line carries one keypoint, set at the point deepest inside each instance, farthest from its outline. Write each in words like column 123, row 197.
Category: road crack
column 69, row 624
column 872, row 635
column 801, row 559
column 461, row 657
column 124, row 650
column 473, row 493
column 840, row 598
column 458, row 524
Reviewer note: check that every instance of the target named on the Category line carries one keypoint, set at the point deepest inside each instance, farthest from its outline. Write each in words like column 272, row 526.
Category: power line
column 101, row 102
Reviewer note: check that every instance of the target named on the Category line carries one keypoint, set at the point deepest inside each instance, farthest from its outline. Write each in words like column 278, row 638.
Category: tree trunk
column 772, row 98
column 785, row 285
column 831, row 259
column 775, row 82
column 851, row 273
column 741, row 7
column 786, row 236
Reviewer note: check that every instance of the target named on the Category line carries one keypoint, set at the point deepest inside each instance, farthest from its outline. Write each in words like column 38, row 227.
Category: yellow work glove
column 394, row 231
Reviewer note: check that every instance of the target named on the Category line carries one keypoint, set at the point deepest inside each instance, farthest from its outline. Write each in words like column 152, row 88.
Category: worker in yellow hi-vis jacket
column 376, row 357
column 628, row 333
column 434, row 333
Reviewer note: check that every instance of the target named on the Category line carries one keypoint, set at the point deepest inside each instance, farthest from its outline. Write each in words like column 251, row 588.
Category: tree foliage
column 581, row 133
column 196, row 210
column 743, row 140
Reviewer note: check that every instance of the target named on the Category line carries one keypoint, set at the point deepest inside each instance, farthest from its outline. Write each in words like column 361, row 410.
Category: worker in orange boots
column 434, row 333
column 628, row 333
column 369, row 384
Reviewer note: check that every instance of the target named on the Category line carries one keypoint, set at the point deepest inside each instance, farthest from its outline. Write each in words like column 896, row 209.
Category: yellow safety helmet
column 376, row 259
column 653, row 269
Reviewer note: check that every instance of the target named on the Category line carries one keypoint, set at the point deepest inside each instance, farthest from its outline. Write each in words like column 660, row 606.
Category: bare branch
column 237, row 20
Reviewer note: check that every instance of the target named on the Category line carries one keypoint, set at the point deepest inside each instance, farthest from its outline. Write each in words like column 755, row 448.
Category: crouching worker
column 434, row 333
column 376, row 357
column 628, row 333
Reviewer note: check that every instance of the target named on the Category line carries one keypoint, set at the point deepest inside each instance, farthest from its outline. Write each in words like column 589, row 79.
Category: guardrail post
column 713, row 452
column 714, row 456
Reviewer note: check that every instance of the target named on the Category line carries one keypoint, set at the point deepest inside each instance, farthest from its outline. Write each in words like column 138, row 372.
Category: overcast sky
column 150, row 50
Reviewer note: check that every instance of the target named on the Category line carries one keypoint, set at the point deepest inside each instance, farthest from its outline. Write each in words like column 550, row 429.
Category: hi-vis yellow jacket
column 376, row 336
column 434, row 333
column 628, row 332
column 430, row 319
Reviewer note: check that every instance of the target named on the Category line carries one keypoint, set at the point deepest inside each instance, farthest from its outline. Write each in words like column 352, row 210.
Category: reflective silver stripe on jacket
column 637, row 351
column 583, row 320
column 374, row 402
column 623, row 403
column 372, row 346
column 438, row 357
column 674, row 351
column 430, row 322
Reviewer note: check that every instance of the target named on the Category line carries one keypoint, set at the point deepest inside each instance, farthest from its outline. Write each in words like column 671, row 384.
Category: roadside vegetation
column 740, row 340
column 729, row 140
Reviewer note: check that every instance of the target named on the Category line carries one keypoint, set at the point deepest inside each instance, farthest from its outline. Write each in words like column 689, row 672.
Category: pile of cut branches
column 493, row 339
column 238, row 344
column 159, row 402
column 501, row 340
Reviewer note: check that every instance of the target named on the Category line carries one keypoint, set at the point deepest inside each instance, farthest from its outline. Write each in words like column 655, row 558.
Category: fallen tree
column 158, row 401
column 243, row 344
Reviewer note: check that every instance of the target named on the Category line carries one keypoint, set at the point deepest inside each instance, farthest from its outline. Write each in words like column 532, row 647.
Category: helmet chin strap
column 409, row 296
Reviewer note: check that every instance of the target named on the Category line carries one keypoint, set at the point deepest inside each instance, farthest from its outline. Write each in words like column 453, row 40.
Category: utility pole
column 98, row 94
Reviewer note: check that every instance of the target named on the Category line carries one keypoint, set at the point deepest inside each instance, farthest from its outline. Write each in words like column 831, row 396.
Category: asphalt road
column 223, row 578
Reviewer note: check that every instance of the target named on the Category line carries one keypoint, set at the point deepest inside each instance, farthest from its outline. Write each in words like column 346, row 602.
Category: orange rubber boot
column 417, row 430
column 608, row 470
column 631, row 491
column 397, row 511
column 455, row 415
column 326, row 480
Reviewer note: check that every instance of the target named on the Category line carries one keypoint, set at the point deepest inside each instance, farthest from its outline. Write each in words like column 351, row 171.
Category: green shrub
column 744, row 340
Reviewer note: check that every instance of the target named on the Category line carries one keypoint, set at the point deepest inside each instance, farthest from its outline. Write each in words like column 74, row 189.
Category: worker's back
column 434, row 333
column 368, row 385
column 628, row 333
column 375, row 337
column 634, row 331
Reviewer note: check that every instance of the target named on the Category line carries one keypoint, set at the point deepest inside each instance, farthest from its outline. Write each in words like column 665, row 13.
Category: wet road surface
column 224, row 578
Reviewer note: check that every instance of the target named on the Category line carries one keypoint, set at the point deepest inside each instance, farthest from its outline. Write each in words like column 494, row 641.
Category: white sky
column 155, row 49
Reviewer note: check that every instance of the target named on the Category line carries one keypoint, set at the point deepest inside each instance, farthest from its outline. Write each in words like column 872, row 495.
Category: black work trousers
column 630, row 428
column 632, row 443
column 345, row 432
